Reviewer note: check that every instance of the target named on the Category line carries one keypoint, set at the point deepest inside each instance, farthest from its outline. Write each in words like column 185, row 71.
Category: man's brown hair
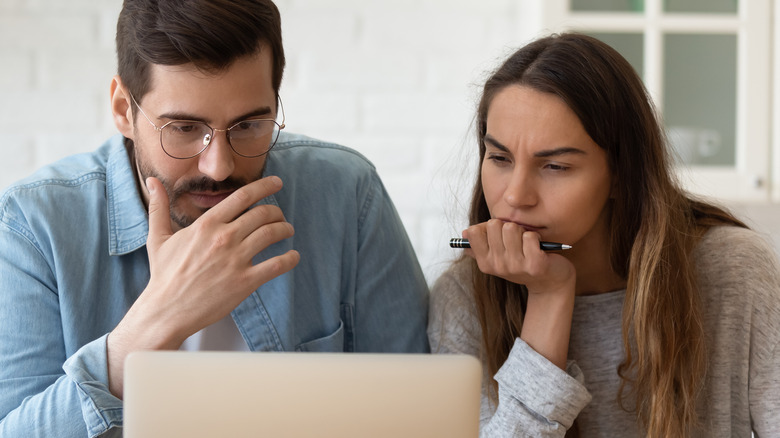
column 211, row 34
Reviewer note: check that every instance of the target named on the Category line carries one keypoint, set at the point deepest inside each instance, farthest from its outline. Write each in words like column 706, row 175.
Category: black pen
column 457, row 242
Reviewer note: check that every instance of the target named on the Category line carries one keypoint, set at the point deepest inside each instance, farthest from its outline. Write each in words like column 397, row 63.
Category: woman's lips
column 525, row 226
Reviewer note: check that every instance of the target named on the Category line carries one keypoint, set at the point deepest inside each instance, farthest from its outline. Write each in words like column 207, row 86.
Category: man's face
column 183, row 92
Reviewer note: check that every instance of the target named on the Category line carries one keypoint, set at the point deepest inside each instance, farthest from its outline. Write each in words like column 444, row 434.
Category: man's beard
column 202, row 184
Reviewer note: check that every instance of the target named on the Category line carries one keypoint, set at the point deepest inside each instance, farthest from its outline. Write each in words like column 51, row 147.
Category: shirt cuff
column 88, row 369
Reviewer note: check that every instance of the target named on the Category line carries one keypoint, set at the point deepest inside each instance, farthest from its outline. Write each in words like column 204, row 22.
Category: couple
column 205, row 225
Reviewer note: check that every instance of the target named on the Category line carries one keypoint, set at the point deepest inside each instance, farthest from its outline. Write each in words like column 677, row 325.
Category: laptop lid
column 345, row 395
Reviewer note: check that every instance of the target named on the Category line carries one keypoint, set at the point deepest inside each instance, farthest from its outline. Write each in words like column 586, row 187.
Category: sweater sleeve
column 764, row 393
column 535, row 398
column 740, row 275
column 764, row 372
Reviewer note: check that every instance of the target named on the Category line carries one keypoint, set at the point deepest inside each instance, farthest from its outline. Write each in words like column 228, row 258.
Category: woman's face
column 542, row 171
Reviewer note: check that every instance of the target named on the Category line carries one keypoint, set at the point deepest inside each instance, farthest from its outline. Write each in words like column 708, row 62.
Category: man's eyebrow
column 259, row 112
column 546, row 153
column 176, row 115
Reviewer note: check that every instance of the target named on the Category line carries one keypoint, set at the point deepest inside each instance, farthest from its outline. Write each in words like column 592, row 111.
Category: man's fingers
column 256, row 217
column 267, row 235
column 159, row 212
column 243, row 198
column 275, row 266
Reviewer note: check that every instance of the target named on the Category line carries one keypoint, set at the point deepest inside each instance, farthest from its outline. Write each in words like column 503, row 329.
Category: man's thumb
column 159, row 213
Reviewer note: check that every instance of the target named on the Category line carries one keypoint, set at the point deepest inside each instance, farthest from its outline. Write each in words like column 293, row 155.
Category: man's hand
column 200, row 273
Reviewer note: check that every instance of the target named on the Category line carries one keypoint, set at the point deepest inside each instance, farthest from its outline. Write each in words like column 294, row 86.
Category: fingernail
column 149, row 187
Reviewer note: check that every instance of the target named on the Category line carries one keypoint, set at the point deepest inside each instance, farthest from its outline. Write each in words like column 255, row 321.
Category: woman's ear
column 121, row 108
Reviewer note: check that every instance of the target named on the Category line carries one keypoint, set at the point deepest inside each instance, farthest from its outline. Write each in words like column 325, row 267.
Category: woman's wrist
column 547, row 324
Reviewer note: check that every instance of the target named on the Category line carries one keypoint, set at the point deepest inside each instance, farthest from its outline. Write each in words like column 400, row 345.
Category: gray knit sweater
column 739, row 277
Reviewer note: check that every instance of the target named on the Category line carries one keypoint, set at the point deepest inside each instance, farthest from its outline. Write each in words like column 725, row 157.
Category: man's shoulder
column 69, row 170
column 56, row 182
column 297, row 152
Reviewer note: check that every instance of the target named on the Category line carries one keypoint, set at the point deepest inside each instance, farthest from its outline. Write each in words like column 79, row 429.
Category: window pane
column 629, row 45
column 711, row 6
column 608, row 5
column 700, row 97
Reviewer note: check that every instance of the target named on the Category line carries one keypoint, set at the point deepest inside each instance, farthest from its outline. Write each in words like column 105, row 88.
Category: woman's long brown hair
column 655, row 226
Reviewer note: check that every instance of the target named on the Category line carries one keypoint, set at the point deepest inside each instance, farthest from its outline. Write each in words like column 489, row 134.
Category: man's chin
column 181, row 220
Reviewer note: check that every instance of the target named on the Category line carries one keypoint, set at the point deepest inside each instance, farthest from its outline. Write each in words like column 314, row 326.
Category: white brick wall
column 395, row 79
column 57, row 61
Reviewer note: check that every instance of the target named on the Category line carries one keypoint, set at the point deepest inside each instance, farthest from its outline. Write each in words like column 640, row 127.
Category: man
column 254, row 240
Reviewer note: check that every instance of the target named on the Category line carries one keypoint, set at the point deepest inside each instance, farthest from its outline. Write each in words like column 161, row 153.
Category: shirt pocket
column 333, row 342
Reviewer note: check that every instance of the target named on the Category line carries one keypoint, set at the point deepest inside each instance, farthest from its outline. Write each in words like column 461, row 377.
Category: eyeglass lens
column 249, row 138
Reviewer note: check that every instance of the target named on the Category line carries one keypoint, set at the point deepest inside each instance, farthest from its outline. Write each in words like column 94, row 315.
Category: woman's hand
column 508, row 251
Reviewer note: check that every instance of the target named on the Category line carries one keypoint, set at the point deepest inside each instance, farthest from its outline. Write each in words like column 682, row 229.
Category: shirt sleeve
column 391, row 298
column 43, row 393
column 535, row 397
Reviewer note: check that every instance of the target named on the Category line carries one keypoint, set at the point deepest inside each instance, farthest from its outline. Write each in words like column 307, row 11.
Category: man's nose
column 218, row 160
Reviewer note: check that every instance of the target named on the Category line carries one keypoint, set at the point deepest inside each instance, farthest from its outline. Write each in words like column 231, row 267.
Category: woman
column 663, row 319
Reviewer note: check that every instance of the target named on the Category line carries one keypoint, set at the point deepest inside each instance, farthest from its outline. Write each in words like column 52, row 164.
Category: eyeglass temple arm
column 144, row 113
column 281, row 105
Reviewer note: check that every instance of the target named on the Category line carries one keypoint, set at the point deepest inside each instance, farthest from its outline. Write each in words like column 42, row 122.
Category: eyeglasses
column 183, row 139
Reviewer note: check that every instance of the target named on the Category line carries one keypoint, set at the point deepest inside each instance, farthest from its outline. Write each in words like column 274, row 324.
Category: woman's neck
column 591, row 259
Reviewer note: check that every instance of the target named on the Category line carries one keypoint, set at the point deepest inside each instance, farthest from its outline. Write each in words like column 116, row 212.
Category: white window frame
column 750, row 179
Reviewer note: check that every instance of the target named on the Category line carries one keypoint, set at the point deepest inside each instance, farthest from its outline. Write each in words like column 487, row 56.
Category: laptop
column 346, row 395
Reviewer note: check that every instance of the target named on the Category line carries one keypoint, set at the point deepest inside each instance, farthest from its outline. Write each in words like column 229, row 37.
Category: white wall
column 398, row 81
column 395, row 79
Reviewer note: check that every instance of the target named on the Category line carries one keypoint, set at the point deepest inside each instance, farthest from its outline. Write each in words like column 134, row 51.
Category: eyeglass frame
column 214, row 131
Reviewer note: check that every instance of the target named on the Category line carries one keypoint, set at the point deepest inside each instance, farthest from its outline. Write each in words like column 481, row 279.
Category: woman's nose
column 521, row 190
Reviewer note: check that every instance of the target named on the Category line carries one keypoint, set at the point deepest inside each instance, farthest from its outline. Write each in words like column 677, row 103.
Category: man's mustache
column 206, row 184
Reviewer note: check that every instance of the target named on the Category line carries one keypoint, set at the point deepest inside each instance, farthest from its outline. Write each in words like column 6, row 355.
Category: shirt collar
column 127, row 219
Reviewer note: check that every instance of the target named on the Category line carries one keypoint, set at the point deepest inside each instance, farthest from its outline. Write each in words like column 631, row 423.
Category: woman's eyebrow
column 546, row 153
column 495, row 143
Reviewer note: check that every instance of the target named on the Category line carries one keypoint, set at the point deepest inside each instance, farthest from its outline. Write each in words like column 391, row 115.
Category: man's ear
column 121, row 108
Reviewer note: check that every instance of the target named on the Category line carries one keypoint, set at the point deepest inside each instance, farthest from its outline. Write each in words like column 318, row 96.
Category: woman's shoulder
column 739, row 278
column 739, row 272
column 732, row 247
column 455, row 283
column 452, row 317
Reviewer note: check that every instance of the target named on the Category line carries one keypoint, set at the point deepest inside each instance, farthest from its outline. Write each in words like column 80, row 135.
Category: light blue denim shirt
column 73, row 260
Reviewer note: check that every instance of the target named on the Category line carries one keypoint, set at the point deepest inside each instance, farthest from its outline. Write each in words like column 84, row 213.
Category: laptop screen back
column 216, row 394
